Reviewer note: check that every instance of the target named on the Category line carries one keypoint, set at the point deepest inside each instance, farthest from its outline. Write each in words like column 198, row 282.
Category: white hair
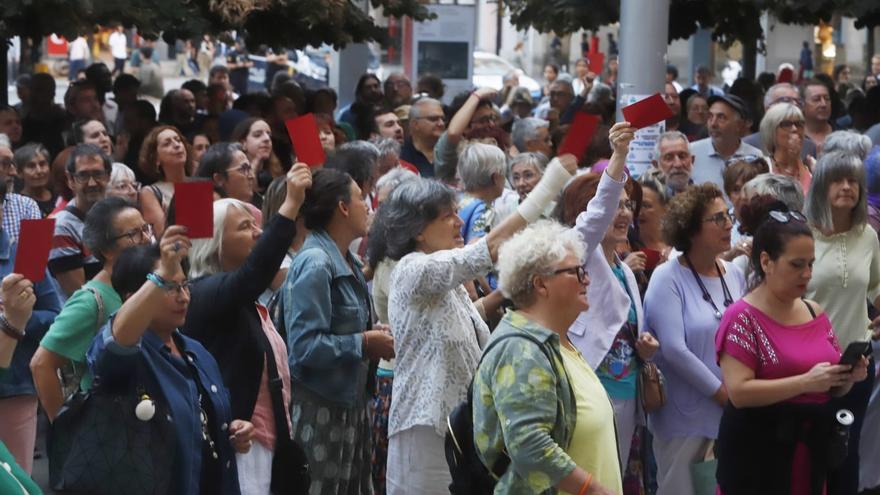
column 771, row 93
column 525, row 130
column 120, row 173
column 394, row 177
column 847, row 142
column 204, row 256
column 477, row 164
column 670, row 136
column 535, row 251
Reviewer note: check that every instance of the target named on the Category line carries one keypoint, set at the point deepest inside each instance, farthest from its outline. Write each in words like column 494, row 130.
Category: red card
column 597, row 62
column 647, row 112
column 194, row 208
column 34, row 243
column 579, row 135
column 303, row 132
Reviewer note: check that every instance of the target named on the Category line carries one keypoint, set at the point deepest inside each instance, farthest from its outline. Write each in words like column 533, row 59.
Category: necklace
column 728, row 299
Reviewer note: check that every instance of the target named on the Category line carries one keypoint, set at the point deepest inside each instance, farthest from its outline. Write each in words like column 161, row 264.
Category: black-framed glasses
column 720, row 219
column 144, row 232
column 788, row 124
column 85, row 177
column 787, row 216
column 576, row 270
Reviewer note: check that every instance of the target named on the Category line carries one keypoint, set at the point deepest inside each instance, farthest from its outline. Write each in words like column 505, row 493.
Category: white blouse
column 438, row 334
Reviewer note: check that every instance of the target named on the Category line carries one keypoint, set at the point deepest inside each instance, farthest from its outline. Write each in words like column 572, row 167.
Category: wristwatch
column 10, row 330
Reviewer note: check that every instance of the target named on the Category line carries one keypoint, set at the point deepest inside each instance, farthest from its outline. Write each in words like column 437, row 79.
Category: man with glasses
column 15, row 206
column 398, row 90
column 477, row 113
column 817, row 112
column 426, row 125
column 783, row 93
column 70, row 261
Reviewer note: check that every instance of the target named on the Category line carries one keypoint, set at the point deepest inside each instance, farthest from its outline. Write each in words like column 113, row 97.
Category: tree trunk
column 750, row 58
column 4, row 71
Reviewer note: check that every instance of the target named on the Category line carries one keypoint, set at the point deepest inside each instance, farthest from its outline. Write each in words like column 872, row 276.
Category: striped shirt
column 68, row 250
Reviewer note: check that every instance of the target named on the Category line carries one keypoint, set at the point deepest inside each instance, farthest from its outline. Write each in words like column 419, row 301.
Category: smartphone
column 854, row 351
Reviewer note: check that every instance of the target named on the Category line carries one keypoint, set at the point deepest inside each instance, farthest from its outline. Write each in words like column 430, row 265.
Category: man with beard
column 674, row 159
column 70, row 262
column 398, row 90
column 368, row 97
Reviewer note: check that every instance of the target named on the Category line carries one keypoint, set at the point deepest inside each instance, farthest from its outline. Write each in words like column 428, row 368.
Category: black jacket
column 223, row 317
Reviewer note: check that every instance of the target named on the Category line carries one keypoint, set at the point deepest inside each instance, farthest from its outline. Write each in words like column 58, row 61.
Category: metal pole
column 644, row 35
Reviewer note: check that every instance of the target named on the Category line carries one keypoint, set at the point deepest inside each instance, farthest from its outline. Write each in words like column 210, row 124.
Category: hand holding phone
column 854, row 352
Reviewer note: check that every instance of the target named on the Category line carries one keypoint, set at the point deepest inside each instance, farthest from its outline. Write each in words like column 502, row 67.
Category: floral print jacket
column 523, row 406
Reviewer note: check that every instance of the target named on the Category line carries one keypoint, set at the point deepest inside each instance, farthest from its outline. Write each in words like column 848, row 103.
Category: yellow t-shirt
column 594, row 443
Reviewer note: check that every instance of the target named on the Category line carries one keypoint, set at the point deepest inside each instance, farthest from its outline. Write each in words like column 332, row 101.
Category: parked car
column 490, row 69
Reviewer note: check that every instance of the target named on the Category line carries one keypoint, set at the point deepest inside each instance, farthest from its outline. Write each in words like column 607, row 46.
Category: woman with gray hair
column 438, row 332
column 487, row 201
column 123, row 183
column 847, row 142
column 524, row 171
column 32, row 164
column 782, row 136
column 845, row 273
column 228, row 273
column 558, row 432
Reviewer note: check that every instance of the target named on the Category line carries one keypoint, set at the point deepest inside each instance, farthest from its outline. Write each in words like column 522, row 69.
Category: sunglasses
column 787, row 216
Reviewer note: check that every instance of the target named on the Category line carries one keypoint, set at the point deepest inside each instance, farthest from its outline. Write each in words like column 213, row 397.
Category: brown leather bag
column 651, row 387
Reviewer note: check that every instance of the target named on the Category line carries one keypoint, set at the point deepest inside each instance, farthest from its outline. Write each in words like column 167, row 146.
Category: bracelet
column 159, row 281
column 586, row 484
column 10, row 330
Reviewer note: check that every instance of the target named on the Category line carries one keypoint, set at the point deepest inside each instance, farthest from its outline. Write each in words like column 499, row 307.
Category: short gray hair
column 120, row 173
column 477, row 164
column 847, row 142
column 415, row 110
column 655, row 180
column 395, row 177
column 534, row 251
column 536, row 159
column 204, row 255
column 770, row 95
column 525, row 130
column 774, row 116
column 670, row 136
column 386, row 146
column 830, row 168
column 781, row 187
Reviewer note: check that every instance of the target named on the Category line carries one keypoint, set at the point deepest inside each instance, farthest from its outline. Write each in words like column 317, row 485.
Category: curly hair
column 148, row 159
column 684, row 214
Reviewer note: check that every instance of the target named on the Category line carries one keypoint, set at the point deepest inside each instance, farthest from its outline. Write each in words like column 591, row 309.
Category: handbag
column 71, row 373
column 703, row 473
column 651, row 386
column 98, row 446
column 290, row 465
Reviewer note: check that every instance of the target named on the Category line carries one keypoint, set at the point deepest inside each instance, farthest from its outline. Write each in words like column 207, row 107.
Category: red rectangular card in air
column 649, row 111
column 194, row 208
column 597, row 62
column 303, row 132
column 579, row 135
column 34, row 243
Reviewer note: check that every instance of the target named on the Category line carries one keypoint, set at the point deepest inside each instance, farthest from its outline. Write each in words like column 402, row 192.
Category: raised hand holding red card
column 579, row 135
column 303, row 132
column 194, row 208
column 647, row 112
column 34, row 243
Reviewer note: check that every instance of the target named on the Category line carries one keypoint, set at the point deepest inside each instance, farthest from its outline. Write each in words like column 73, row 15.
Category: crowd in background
column 442, row 250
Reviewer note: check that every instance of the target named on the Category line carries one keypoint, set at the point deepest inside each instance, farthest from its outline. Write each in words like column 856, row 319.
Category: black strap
column 809, row 307
column 728, row 299
column 276, row 386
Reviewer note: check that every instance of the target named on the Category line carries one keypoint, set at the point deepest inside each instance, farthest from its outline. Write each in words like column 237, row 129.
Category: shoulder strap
column 275, row 388
column 99, row 301
column 809, row 307
column 158, row 193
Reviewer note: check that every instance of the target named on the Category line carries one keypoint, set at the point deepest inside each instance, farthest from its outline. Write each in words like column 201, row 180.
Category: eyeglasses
column 787, row 99
column 788, row 124
column 787, row 216
column 5, row 163
column 626, row 205
column 142, row 233
column 575, row 270
column 123, row 186
column 431, row 118
column 245, row 169
column 85, row 177
column 180, row 288
column 488, row 119
column 720, row 219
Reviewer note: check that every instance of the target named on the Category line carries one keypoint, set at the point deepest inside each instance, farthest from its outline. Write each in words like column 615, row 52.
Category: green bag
column 703, row 473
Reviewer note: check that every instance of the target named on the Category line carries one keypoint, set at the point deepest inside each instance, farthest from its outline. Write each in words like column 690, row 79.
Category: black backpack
column 469, row 475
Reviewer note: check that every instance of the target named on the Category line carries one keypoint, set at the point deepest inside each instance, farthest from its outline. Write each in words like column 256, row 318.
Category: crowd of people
column 345, row 309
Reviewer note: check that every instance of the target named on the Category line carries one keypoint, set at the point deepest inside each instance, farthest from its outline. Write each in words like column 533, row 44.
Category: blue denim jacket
column 167, row 377
column 18, row 381
column 326, row 310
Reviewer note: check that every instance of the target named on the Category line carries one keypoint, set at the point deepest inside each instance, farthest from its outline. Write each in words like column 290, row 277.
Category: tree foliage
column 277, row 23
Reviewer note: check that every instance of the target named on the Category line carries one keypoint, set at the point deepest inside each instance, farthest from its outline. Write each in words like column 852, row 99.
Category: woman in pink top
column 776, row 352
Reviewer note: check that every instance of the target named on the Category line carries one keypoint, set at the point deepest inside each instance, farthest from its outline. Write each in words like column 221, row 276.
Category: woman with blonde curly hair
column 683, row 306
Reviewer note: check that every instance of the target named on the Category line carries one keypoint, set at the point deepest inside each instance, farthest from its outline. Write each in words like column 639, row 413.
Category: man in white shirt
column 79, row 54
column 119, row 49
column 728, row 122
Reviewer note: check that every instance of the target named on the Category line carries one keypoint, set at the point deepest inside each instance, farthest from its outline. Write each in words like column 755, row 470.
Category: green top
column 523, row 405
column 75, row 327
column 13, row 479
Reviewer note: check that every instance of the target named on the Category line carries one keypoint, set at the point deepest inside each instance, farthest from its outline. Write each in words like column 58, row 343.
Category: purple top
column 685, row 325
column 776, row 351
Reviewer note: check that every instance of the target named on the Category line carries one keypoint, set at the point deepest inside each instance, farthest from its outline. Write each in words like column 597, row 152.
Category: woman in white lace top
column 438, row 333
